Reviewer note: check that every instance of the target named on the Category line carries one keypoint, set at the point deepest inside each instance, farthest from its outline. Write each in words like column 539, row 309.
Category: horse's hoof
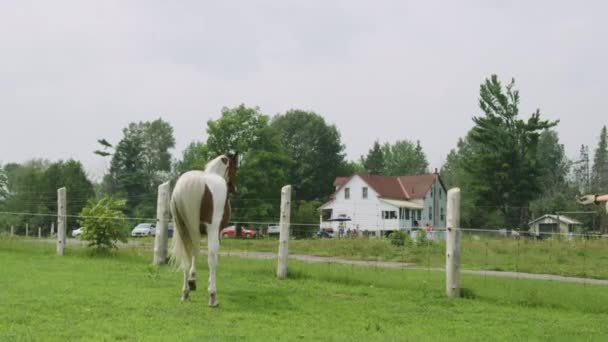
column 192, row 285
column 185, row 298
column 213, row 303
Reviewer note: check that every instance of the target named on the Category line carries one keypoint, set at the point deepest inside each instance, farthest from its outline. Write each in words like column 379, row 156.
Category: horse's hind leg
column 186, row 287
column 213, row 245
column 192, row 274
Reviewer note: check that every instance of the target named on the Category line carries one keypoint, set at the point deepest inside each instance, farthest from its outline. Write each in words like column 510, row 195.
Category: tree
column 315, row 150
column 581, row 171
column 556, row 191
column 599, row 172
column 264, row 168
column 104, row 223
column 31, row 187
column 404, row 158
column 261, row 178
column 503, row 166
column 374, row 161
column 140, row 162
column 552, row 162
column 79, row 189
column 238, row 130
column 195, row 157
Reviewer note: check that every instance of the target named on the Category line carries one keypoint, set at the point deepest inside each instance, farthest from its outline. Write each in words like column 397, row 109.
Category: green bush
column 104, row 223
column 401, row 238
column 421, row 237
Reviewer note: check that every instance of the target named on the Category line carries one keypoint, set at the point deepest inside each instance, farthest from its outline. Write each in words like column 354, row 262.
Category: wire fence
column 484, row 252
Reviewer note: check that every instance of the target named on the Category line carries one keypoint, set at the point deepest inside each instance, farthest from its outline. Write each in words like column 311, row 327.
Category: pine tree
column 599, row 173
column 374, row 162
column 581, row 171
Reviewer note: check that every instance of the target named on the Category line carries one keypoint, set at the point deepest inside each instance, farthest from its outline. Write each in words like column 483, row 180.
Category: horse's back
column 190, row 190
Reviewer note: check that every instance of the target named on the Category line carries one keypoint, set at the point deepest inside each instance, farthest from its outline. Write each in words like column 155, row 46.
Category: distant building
column 549, row 224
column 377, row 203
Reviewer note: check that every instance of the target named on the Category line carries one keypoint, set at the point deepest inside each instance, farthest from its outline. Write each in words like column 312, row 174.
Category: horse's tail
column 182, row 249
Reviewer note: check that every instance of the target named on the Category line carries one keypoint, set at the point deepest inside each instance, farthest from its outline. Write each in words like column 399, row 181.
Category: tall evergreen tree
column 599, row 172
column 582, row 172
column 374, row 162
column 140, row 162
column 504, row 165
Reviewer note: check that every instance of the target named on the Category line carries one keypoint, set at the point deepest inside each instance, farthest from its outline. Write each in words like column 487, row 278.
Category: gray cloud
column 75, row 71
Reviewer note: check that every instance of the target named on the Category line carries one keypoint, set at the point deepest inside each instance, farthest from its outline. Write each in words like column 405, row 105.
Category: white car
column 77, row 232
column 274, row 230
column 143, row 229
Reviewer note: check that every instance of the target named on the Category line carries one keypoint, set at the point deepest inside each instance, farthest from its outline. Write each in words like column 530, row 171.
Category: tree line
column 510, row 169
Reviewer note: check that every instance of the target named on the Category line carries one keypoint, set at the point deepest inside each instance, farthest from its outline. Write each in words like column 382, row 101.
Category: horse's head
column 225, row 165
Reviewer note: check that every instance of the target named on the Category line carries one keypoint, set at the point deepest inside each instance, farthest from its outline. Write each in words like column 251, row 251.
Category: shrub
column 401, row 238
column 103, row 223
column 421, row 237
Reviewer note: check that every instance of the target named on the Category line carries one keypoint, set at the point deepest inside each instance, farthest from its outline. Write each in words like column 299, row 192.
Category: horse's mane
column 217, row 166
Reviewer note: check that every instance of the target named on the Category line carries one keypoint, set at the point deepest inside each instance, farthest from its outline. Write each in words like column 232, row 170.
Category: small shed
column 549, row 224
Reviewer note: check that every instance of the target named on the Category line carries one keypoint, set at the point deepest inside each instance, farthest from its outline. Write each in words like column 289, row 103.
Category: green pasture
column 83, row 296
column 587, row 258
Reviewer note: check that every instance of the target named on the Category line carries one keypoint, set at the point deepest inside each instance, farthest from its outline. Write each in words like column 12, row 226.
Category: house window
column 389, row 215
column 407, row 214
column 365, row 192
column 432, row 191
column 419, row 215
column 326, row 214
column 439, row 192
column 346, row 193
column 442, row 215
column 430, row 213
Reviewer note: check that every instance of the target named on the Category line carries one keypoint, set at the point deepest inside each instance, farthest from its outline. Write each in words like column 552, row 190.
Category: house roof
column 340, row 181
column 562, row 218
column 395, row 187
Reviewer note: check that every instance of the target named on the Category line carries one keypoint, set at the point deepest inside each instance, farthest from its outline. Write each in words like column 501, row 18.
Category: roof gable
column 394, row 187
column 562, row 218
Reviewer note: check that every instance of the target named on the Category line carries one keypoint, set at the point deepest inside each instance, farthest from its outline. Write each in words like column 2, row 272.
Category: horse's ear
column 225, row 160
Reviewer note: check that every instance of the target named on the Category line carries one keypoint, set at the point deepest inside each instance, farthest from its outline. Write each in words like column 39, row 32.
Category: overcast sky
column 75, row 71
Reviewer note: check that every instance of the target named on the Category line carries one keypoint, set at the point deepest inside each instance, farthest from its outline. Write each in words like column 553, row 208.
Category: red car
column 231, row 232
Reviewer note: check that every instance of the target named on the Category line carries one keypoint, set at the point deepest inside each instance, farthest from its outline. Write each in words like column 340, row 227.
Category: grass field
column 577, row 258
column 123, row 297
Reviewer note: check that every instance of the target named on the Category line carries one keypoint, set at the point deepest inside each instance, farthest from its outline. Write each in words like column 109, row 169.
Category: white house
column 377, row 203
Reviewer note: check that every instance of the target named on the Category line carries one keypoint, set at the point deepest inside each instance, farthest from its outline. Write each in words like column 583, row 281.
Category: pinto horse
column 199, row 205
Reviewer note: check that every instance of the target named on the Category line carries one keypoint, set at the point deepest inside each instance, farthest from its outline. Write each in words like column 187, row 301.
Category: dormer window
column 364, row 194
column 346, row 193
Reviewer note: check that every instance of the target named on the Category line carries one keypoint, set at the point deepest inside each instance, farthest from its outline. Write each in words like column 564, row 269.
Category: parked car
column 77, row 232
column 274, row 230
column 325, row 233
column 169, row 230
column 143, row 229
column 230, row 232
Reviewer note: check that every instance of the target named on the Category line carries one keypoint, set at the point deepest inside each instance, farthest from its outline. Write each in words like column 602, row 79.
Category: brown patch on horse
column 206, row 210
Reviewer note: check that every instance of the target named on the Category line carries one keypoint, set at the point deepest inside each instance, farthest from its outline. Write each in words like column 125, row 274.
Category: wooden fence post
column 27, row 230
column 52, row 228
column 160, row 240
column 284, row 234
column 452, row 253
column 61, row 213
column 39, row 232
column 12, row 230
